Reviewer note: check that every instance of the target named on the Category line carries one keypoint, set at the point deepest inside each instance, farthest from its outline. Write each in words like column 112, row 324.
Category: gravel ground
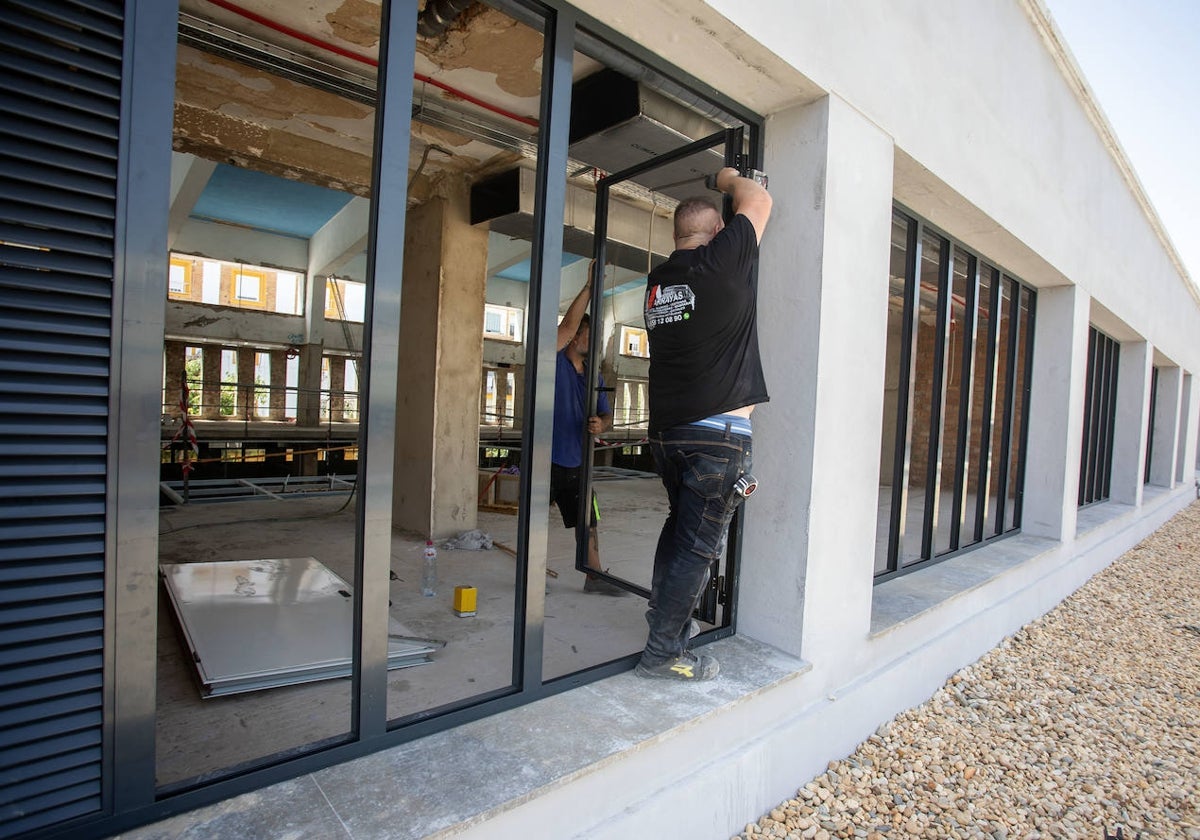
column 1085, row 721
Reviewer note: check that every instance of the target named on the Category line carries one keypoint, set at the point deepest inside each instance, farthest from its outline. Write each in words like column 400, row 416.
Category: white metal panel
column 255, row 624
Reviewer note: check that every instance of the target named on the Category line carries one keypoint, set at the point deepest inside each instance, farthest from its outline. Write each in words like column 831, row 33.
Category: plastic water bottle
column 429, row 573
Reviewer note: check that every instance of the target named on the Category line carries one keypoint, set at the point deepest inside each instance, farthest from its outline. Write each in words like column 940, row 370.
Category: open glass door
column 617, row 487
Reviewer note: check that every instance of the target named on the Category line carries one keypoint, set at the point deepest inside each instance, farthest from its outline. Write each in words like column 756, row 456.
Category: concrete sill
column 456, row 780
column 901, row 599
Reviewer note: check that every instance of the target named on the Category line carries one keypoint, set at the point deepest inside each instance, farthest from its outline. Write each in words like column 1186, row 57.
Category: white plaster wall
column 973, row 94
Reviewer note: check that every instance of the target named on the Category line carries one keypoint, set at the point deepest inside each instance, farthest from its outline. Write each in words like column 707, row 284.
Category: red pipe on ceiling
column 364, row 59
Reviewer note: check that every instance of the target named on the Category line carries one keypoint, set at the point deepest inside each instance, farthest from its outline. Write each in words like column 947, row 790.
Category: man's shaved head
column 698, row 215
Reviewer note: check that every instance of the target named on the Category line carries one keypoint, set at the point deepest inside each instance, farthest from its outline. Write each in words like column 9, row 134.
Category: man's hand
column 597, row 425
column 749, row 198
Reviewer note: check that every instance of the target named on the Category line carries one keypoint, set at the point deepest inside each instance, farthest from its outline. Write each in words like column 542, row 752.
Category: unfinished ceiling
column 481, row 75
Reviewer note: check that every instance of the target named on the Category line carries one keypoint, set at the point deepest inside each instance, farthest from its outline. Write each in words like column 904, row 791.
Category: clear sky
column 1142, row 61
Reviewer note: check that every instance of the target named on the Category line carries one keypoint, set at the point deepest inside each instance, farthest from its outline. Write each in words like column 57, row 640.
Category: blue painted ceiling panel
column 265, row 202
column 520, row 271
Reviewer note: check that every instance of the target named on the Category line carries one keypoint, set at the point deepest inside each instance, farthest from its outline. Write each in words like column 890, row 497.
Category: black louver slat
column 60, row 83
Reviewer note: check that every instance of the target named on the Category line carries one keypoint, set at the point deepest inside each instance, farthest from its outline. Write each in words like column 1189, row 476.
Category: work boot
column 687, row 667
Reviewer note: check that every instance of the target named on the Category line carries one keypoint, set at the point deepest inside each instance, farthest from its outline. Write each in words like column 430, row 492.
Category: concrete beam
column 340, row 239
column 189, row 176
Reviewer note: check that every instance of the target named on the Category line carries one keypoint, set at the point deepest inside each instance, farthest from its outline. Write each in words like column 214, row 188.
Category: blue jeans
column 699, row 467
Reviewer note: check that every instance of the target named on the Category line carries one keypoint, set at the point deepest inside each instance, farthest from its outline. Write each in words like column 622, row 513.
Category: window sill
column 461, row 778
column 901, row 599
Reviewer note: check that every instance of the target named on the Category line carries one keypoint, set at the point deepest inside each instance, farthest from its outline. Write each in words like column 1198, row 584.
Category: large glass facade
column 955, row 398
column 352, row 407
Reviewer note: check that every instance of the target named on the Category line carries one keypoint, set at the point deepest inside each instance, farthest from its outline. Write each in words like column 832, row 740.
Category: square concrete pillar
column 806, row 578
column 308, row 395
column 337, row 389
column 441, row 361
column 278, row 399
column 518, row 372
column 1133, row 417
column 1056, row 409
column 175, row 361
column 245, row 377
column 1166, row 427
column 210, row 360
column 1190, row 432
column 1186, row 413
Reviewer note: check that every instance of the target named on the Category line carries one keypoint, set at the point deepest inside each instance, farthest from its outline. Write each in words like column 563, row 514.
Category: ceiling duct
column 617, row 122
column 505, row 201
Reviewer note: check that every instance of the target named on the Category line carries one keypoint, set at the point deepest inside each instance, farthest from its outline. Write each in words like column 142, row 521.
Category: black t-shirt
column 700, row 309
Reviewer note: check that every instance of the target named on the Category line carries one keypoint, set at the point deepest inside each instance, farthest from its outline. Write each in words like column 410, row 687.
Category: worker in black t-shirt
column 705, row 379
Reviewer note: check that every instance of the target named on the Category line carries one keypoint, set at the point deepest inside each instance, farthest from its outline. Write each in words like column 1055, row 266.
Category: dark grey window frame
column 130, row 796
column 1006, row 391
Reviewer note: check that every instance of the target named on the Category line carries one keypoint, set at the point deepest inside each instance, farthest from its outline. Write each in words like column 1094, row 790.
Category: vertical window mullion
column 1085, row 455
column 1150, row 424
column 1102, row 424
column 989, row 402
column 1026, row 380
column 933, row 468
column 545, row 277
column 901, row 465
column 1010, row 380
column 1111, row 414
column 1099, row 392
column 966, row 381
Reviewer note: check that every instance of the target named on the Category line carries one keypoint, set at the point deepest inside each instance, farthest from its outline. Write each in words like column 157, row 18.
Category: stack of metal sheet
column 255, row 624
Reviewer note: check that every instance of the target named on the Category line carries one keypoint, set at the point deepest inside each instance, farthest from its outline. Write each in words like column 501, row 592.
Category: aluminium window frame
column 1006, row 391
column 131, row 794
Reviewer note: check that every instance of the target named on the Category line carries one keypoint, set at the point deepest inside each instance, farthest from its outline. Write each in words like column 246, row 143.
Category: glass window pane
column 892, row 385
column 979, row 443
column 922, row 447
column 1016, row 457
column 956, row 394
column 999, row 411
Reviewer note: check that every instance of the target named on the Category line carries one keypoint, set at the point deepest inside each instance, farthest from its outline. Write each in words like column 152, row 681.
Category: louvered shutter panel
column 60, row 85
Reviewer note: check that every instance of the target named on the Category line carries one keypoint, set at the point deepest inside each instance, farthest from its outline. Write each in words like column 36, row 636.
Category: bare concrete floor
column 199, row 737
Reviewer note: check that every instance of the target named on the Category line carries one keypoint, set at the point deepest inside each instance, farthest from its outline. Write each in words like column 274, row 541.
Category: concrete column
column 485, row 416
column 245, row 377
column 337, row 388
column 278, row 400
column 308, row 398
column 518, row 372
column 174, row 353
column 1190, row 432
column 1133, row 416
column 210, row 403
column 441, row 361
column 1166, row 427
column 806, row 580
column 1056, row 413
column 501, row 397
column 1186, row 413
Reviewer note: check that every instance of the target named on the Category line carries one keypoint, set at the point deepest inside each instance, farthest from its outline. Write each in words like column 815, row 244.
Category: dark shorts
column 564, row 492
